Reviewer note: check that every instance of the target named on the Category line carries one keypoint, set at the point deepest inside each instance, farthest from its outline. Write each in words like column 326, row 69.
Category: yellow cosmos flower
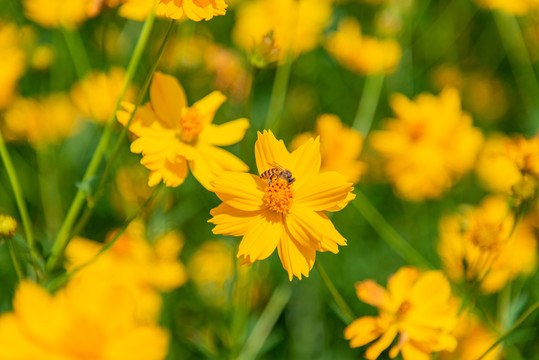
column 132, row 263
column 90, row 319
column 294, row 26
column 97, row 93
column 422, row 157
column 57, row 13
column 11, row 61
column 195, row 10
column 510, row 7
column 482, row 246
column 416, row 306
column 280, row 210
column 41, row 122
column 171, row 134
column 8, row 226
column 340, row 147
column 362, row 54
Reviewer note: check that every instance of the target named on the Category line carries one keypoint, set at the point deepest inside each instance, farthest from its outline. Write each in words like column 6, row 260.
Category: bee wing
column 275, row 165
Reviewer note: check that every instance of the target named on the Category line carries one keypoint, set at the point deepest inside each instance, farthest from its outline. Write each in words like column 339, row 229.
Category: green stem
column 339, row 300
column 387, row 233
column 517, row 323
column 266, row 322
column 76, row 48
column 368, row 103
column 49, row 189
column 118, row 145
column 16, row 264
column 278, row 94
column 19, row 199
column 65, row 230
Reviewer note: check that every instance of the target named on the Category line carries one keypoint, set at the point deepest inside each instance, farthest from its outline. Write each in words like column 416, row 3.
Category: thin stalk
column 49, row 189
column 368, row 103
column 16, row 264
column 278, row 94
column 339, row 300
column 118, row 145
column 388, row 234
column 517, row 323
column 266, row 322
column 62, row 238
column 78, row 53
column 19, row 199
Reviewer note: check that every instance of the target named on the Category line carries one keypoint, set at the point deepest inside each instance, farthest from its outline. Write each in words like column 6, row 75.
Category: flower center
column 278, row 195
column 190, row 124
column 404, row 308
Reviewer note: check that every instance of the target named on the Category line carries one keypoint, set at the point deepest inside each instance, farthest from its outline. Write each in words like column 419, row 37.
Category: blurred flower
column 362, row 54
column 142, row 268
column 340, row 147
column 422, row 157
column 277, row 212
column 89, row 319
column 96, row 95
column 473, row 340
column 510, row 7
column 57, row 13
column 132, row 188
column 95, row 6
column 170, row 134
column 8, row 226
column 484, row 246
column 417, row 306
column 195, row 10
column 11, row 62
column 281, row 26
column 40, row 122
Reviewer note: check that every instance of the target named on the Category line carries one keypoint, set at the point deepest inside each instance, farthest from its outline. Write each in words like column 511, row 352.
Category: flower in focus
column 11, row 62
column 510, row 7
column 273, row 211
column 292, row 26
column 40, row 122
column 195, row 10
column 88, row 319
column 8, row 226
column 483, row 246
column 416, row 306
column 422, row 157
column 170, row 134
column 340, row 147
column 97, row 93
column 362, row 54
column 144, row 269
column 57, row 13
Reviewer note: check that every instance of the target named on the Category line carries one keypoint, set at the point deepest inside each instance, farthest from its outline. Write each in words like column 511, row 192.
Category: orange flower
column 195, row 10
column 283, row 211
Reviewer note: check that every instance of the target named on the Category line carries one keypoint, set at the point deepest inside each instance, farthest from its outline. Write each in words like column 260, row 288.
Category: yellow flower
column 340, row 147
column 482, row 246
column 11, row 61
column 510, row 7
column 417, row 306
column 171, row 134
column 422, row 157
column 132, row 263
column 57, row 13
column 8, row 226
column 294, row 26
column 195, row 10
column 89, row 319
column 362, row 54
column 97, row 93
column 280, row 211
column 41, row 122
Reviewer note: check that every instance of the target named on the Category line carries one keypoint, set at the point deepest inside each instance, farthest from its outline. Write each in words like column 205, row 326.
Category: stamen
column 278, row 196
column 190, row 123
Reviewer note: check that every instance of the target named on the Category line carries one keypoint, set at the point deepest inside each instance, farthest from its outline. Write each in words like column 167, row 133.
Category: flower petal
column 373, row 294
column 201, row 170
column 296, row 259
column 221, row 160
column 323, row 191
column 412, row 352
column 172, row 173
column 226, row 134
column 305, row 161
column 208, row 105
column 240, row 190
column 400, row 283
column 362, row 331
column 376, row 349
column 262, row 237
column 167, row 98
column 269, row 152
column 231, row 221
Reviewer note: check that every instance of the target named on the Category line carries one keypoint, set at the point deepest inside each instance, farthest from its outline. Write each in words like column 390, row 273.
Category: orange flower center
column 278, row 195
column 190, row 123
column 404, row 308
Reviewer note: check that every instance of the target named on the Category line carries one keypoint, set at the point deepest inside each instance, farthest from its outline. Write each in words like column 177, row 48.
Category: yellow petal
column 168, row 98
column 240, row 190
column 262, row 237
column 400, row 283
column 142, row 343
column 231, row 221
column 172, row 173
column 376, row 349
column 202, row 172
column 270, row 152
column 362, row 331
column 226, row 134
column 221, row 160
column 412, row 352
column 373, row 294
column 296, row 259
column 305, row 161
column 208, row 105
column 323, row 192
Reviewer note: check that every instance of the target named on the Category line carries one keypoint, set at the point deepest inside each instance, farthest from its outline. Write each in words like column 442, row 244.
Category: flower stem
column 19, row 199
column 77, row 50
column 368, row 103
column 65, row 230
column 16, row 264
column 278, row 94
column 517, row 323
column 339, row 300
column 388, row 234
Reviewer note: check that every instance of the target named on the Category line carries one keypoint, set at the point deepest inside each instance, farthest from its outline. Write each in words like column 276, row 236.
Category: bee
column 276, row 172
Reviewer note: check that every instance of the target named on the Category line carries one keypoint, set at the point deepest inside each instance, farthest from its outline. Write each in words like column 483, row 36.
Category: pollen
column 278, row 196
column 191, row 124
